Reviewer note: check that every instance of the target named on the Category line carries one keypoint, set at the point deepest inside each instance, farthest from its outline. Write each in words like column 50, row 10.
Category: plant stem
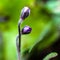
column 17, row 45
column 18, row 40
column 19, row 35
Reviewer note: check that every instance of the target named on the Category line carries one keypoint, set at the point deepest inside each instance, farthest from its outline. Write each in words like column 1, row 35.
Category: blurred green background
column 44, row 20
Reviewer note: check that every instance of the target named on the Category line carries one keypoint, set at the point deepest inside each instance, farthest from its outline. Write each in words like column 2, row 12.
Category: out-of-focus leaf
column 44, row 40
column 50, row 55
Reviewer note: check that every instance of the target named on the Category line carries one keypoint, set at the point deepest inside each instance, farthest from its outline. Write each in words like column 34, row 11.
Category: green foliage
column 43, row 25
column 50, row 56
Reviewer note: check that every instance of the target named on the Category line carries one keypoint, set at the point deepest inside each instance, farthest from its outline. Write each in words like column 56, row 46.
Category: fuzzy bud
column 25, row 13
column 26, row 30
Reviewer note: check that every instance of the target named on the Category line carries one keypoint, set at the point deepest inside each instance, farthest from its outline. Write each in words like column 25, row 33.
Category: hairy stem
column 18, row 40
column 19, row 34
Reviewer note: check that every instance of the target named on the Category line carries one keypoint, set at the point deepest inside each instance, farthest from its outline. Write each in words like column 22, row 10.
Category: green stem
column 18, row 40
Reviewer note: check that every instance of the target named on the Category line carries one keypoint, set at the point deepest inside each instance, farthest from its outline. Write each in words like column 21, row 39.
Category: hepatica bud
column 26, row 30
column 25, row 13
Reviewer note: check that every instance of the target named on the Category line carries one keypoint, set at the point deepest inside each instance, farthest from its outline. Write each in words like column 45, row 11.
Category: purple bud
column 25, row 13
column 26, row 30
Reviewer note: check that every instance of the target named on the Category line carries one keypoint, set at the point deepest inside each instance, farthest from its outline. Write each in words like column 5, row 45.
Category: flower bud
column 26, row 30
column 25, row 13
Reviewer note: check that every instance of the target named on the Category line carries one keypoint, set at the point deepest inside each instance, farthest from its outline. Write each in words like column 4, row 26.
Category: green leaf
column 51, row 55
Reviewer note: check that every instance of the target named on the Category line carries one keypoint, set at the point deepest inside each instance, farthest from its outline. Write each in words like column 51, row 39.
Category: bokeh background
column 44, row 20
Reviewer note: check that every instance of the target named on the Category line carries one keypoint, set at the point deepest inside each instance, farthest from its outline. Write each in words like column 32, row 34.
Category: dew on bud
column 26, row 30
column 25, row 13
